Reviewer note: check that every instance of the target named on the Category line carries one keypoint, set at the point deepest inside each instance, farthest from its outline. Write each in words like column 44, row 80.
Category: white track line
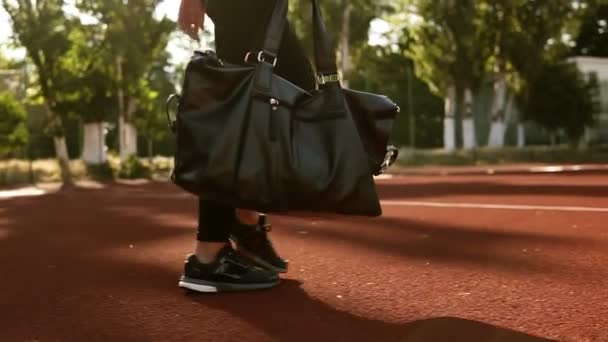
column 494, row 206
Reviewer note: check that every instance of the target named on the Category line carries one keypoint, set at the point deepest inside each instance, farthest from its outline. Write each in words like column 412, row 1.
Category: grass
column 16, row 172
column 491, row 156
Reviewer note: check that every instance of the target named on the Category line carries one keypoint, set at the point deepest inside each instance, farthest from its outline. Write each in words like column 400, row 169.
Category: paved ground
column 490, row 258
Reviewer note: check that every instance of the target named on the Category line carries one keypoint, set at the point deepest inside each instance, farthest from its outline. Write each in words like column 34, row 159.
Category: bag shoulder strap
column 275, row 28
column 325, row 56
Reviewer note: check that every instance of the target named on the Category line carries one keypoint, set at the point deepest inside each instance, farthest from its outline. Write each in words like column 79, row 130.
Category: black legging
column 239, row 28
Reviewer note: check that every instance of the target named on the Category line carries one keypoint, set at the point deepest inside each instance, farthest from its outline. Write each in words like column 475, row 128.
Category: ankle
column 247, row 217
column 206, row 252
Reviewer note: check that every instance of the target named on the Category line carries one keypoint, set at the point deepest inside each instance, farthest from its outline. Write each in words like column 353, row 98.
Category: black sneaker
column 252, row 241
column 230, row 272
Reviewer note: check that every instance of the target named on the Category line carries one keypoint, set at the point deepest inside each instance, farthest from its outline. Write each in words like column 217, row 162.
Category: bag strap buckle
column 391, row 155
column 324, row 79
column 262, row 57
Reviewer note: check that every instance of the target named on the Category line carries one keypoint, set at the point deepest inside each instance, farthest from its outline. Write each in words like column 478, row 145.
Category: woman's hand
column 191, row 17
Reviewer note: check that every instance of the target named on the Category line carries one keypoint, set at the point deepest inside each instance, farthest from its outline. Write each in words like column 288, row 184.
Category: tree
column 347, row 22
column 384, row 70
column 41, row 28
column 455, row 44
column 90, row 93
column 442, row 40
column 538, row 40
column 498, row 21
column 133, row 40
column 151, row 118
column 14, row 135
column 562, row 98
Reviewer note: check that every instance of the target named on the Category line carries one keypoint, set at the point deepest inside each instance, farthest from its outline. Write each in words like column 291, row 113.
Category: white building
column 599, row 68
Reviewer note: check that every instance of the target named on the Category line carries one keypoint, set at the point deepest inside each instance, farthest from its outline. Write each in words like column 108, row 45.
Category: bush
column 14, row 135
column 101, row 172
column 562, row 98
column 14, row 172
column 493, row 156
column 133, row 168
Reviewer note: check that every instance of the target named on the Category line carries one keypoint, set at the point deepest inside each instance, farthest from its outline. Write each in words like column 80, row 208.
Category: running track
column 454, row 258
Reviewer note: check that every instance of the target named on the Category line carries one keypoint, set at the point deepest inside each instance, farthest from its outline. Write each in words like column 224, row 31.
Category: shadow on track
column 287, row 313
column 451, row 244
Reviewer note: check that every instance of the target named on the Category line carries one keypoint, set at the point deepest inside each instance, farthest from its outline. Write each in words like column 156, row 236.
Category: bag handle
column 325, row 57
column 274, row 34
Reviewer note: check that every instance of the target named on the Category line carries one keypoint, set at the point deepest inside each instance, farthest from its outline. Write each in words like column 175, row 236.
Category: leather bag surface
column 251, row 139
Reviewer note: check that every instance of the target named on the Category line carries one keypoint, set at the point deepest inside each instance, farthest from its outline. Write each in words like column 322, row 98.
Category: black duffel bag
column 251, row 139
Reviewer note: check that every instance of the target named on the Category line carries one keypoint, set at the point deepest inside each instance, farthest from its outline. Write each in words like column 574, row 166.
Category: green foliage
column 101, row 172
column 151, row 119
column 382, row 70
column 133, row 168
column 451, row 42
column 14, row 135
column 363, row 11
column 442, row 38
column 132, row 42
column 561, row 98
column 43, row 30
column 536, row 38
column 508, row 156
column 88, row 90
column 593, row 37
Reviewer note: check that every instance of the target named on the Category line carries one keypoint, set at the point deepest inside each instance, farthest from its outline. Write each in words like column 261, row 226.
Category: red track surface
column 102, row 265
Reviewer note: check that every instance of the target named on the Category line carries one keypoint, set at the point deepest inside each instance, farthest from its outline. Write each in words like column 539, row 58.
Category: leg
column 215, row 266
column 214, row 220
column 247, row 216
column 219, row 223
column 295, row 67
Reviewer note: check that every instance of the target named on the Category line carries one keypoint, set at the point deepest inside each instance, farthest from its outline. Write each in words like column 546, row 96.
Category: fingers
column 193, row 33
column 191, row 30
column 190, row 19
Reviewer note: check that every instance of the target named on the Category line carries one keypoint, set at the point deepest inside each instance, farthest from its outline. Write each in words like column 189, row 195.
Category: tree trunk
column 61, row 146
column 511, row 115
column 345, row 43
column 587, row 136
column 127, row 132
column 552, row 138
column 449, row 127
column 150, row 148
column 498, row 128
column 469, row 140
column 61, row 151
column 94, row 151
column 521, row 135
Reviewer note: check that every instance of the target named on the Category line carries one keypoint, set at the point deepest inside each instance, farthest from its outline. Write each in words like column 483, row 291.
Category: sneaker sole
column 258, row 260
column 212, row 287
